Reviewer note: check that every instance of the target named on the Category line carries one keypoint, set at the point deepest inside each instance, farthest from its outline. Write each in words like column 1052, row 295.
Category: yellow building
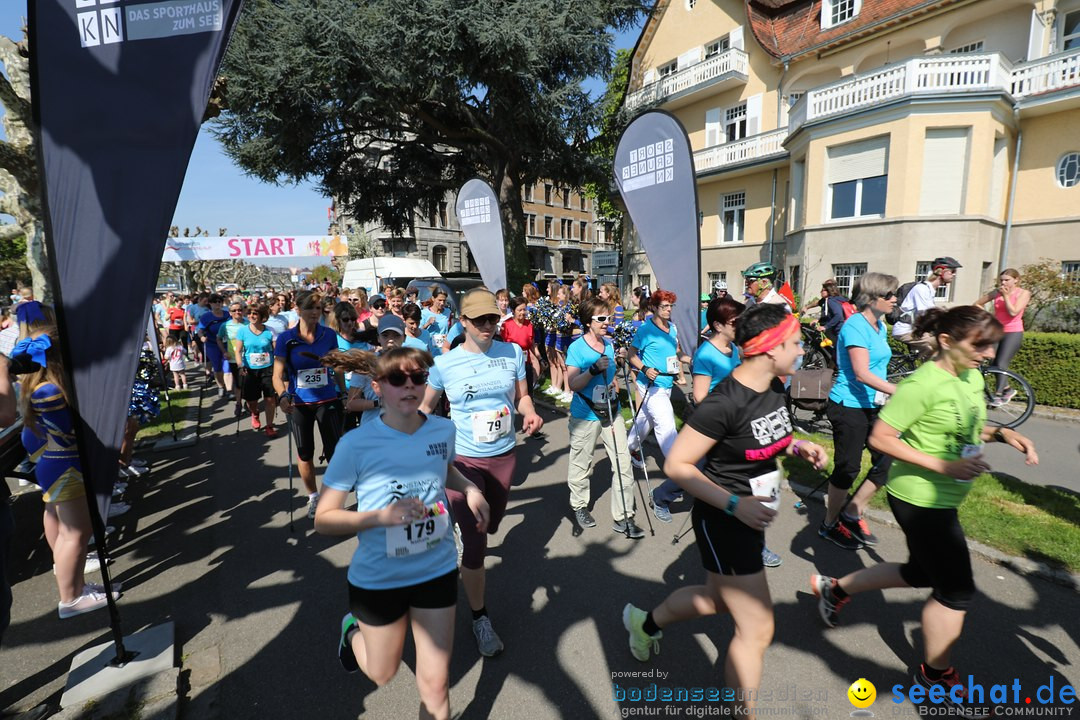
column 835, row 137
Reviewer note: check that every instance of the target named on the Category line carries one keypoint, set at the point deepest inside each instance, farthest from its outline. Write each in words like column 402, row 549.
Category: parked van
column 372, row 273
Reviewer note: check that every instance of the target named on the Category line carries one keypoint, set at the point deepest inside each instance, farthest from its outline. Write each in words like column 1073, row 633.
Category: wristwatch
column 282, row 395
column 377, row 405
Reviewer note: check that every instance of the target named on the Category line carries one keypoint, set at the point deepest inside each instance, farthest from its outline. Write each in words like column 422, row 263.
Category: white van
column 372, row 273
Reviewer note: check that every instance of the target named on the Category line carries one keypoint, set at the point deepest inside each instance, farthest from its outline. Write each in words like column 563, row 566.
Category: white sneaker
column 139, row 463
column 118, row 509
column 127, row 472
column 87, row 602
column 552, row 390
column 136, row 471
column 567, row 397
column 313, row 504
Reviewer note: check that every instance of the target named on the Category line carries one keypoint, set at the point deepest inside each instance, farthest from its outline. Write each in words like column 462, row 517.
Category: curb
column 1020, row 565
column 1049, row 412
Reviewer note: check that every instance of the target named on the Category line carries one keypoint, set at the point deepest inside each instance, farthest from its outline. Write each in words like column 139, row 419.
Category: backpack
column 896, row 313
column 848, row 307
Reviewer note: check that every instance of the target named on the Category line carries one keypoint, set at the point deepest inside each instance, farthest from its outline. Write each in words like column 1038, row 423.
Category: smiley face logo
column 862, row 693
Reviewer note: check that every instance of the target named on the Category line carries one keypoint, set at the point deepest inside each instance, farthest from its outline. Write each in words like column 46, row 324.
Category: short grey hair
column 870, row 286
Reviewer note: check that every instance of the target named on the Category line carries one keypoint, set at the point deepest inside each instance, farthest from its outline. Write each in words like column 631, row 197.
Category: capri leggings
column 218, row 362
column 493, row 476
column 938, row 554
column 329, row 415
column 1006, row 349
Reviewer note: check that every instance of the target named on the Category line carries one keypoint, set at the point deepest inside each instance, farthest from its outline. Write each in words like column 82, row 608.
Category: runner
column 227, row 344
column 716, row 358
column 254, row 356
column 174, row 355
column 363, row 398
column 934, row 427
column 739, row 431
column 656, row 355
column 210, row 323
column 1010, row 300
column 404, row 570
column 378, row 312
column 307, row 390
column 519, row 330
column 416, row 336
column 484, row 381
column 437, row 319
column 594, row 413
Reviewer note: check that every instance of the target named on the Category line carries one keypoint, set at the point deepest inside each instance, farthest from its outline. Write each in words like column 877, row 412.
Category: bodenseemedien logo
column 862, row 694
column 104, row 22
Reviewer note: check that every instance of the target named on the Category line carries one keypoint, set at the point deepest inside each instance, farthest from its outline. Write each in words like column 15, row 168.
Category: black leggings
column 329, row 415
column 938, row 554
column 851, row 427
column 1006, row 349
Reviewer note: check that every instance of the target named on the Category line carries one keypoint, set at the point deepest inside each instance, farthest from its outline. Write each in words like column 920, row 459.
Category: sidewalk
column 257, row 608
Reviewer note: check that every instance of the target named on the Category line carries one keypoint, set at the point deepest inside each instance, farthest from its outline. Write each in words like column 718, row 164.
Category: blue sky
column 216, row 194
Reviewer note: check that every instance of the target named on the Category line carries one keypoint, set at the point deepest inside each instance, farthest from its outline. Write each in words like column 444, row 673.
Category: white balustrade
column 729, row 61
column 751, row 148
column 1045, row 75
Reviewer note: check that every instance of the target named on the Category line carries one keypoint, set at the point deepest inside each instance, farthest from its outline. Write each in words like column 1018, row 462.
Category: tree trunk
column 513, row 222
column 36, row 259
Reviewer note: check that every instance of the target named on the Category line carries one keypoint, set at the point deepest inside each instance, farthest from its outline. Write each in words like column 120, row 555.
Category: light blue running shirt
column 258, row 350
column 659, row 350
column 710, row 361
column 581, row 355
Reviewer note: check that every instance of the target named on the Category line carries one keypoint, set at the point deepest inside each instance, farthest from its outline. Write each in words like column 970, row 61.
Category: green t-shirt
column 936, row 413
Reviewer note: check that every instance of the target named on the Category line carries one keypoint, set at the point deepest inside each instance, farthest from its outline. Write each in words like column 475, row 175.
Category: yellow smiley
column 862, row 693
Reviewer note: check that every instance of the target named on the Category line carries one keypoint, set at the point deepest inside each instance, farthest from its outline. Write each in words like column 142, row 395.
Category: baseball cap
column 479, row 302
column 392, row 323
column 946, row 262
column 705, row 297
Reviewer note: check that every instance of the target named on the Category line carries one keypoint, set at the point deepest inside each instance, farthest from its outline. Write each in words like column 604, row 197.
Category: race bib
column 258, row 360
column 600, row 394
column 418, row 536
column 672, row 365
column 439, row 340
column 768, row 485
column 490, row 425
column 312, row 378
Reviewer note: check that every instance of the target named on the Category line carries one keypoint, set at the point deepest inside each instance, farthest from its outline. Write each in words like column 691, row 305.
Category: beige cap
column 478, row 303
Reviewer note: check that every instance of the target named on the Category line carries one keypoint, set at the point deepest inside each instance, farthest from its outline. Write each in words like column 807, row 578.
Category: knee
column 434, row 687
column 759, row 634
column 382, row 675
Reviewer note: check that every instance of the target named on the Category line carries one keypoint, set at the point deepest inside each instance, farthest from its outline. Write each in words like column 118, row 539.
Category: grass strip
column 161, row 426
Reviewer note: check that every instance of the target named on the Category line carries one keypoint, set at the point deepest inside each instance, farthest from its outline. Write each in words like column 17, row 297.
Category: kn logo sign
column 101, row 22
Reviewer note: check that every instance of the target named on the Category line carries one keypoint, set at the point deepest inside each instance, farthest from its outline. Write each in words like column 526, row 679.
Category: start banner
column 254, row 247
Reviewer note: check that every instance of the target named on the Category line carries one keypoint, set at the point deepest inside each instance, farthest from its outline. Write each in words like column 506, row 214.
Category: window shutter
column 650, row 77
column 753, row 114
column 997, row 179
column 735, row 37
column 688, row 58
column 714, row 132
column 1035, row 37
column 944, row 170
column 867, row 158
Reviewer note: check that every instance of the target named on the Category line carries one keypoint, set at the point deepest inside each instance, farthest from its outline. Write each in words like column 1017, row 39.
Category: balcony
column 756, row 147
column 720, row 72
column 569, row 244
column 942, row 74
column 536, row 240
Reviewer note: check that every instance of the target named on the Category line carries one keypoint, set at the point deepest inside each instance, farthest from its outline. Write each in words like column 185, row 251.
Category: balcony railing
column 752, row 148
column 935, row 75
column 732, row 62
column 569, row 244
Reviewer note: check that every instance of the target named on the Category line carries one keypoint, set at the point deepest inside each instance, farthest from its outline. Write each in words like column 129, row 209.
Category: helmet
column 760, row 270
column 706, row 297
column 945, row 262
column 719, row 285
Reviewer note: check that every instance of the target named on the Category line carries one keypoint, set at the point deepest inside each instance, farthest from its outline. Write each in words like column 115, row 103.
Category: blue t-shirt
column 455, row 331
column 196, row 311
column 258, row 350
column 309, row 382
column 421, row 343
column 441, row 326
column 659, row 350
column 857, row 332
column 481, row 389
column 708, row 360
column 277, row 324
column 581, row 355
column 210, row 323
column 367, row 391
column 383, row 465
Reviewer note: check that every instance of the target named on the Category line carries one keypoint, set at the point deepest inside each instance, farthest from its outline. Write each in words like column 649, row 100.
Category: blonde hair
column 377, row 366
column 51, row 372
column 614, row 296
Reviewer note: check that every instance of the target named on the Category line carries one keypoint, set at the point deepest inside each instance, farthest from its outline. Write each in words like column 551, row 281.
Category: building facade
column 836, row 137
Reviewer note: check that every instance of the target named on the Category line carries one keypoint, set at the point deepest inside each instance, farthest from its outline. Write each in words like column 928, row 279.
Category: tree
column 18, row 164
column 614, row 119
column 386, row 105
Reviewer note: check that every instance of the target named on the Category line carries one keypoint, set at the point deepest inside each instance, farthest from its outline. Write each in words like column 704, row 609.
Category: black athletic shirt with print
column 751, row 430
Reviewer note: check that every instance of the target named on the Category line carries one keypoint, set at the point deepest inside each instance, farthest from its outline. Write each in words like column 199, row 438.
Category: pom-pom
column 623, row 334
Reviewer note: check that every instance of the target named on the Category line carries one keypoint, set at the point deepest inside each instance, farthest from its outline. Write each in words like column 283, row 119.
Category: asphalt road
column 1058, row 444
column 257, row 607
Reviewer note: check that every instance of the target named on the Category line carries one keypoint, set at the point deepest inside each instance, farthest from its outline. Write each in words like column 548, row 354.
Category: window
column 1071, row 28
column 470, row 261
column 922, row 271
column 530, row 219
column 442, row 215
column 603, row 232
column 974, row 47
column 1070, row 270
column 584, row 236
column 669, row 69
column 1068, row 170
column 857, row 179
column 566, row 229
column 566, row 199
column 944, row 174
column 547, row 193
column 733, row 218
column 644, row 280
column 715, row 277
column 438, row 258
column 581, row 200
column 834, row 12
column 735, row 123
column 548, row 222
column 795, row 277
column 715, row 48
column 846, row 275
column 529, row 192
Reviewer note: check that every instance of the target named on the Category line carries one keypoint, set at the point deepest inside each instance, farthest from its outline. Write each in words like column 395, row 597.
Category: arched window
column 438, row 257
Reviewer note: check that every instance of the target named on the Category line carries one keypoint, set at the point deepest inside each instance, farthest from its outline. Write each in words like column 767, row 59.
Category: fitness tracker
column 732, row 503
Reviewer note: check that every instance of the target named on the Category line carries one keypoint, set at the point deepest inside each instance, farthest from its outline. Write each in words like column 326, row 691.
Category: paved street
column 257, row 607
column 1058, row 443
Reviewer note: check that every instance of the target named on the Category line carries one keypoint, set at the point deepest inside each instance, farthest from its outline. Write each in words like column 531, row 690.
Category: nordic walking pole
column 288, row 416
column 680, row 533
column 618, row 465
column 801, row 503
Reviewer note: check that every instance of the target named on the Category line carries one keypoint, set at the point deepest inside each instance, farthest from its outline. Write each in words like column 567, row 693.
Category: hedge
column 1051, row 363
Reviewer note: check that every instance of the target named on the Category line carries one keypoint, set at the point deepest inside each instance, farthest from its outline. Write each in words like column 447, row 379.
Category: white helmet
column 720, row 285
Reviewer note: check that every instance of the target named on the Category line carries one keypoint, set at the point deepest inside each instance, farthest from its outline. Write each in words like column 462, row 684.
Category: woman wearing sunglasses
column 594, row 413
column 485, row 383
column 254, row 355
column 378, row 311
column 404, row 570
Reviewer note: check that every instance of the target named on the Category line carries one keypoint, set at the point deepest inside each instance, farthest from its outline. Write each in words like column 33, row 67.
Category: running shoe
column 859, row 529
column 255, row 424
column 770, row 559
column 828, row 606
column 270, row 431
column 952, row 684
column 487, row 640
column 552, row 390
column 566, row 397
column 134, row 471
column 841, row 535
column 313, row 504
column 87, row 602
column 661, row 513
column 126, row 472
column 1008, row 395
column 139, row 463
column 642, row 645
column 629, row 528
column 584, row 519
column 345, row 653
column 118, row 509
column 636, row 459
column 117, row 587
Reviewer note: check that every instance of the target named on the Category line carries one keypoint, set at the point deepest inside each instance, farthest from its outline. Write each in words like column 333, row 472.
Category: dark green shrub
column 1051, row 363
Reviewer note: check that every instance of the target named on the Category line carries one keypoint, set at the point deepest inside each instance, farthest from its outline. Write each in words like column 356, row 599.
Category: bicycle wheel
column 1017, row 402
column 814, row 358
column 900, row 366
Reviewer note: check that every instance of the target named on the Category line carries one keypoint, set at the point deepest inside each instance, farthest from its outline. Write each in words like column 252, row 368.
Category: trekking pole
column 288, row 416
column 618, row 465
column 238, row 410
column 801, row 503
column 680, row 533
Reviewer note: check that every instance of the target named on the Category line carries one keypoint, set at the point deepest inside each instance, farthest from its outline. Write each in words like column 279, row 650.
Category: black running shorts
column 728, row 546
column 383, row 607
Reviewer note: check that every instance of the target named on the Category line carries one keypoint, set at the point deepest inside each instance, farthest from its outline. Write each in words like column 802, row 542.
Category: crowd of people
column 449, row 385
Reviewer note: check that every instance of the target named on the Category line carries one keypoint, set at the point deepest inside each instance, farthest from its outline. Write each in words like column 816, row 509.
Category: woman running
column 404, row 570
column 934, row 427
column 307, row 389
column 1010, row 300
column 740, row 430
column 255, row 358
column 210, row 323
column 715, row 359
column 485, row 382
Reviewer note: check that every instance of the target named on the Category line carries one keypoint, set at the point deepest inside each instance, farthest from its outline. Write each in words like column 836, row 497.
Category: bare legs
column 67, row 528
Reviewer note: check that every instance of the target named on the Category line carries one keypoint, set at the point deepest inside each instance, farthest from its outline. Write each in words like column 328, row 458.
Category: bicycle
column 1009, row 410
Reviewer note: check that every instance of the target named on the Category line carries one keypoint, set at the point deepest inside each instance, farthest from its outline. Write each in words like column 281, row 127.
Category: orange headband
column 766, row 340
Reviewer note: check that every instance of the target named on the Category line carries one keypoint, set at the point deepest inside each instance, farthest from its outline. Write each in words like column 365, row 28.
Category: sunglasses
column 667, row 307
column 601, row 318
column 397, row 378
column 889, row 296
column 378, row 305
column 485, row 320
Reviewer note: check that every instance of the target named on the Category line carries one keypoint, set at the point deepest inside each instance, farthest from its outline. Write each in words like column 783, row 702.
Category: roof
column 790, row 28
